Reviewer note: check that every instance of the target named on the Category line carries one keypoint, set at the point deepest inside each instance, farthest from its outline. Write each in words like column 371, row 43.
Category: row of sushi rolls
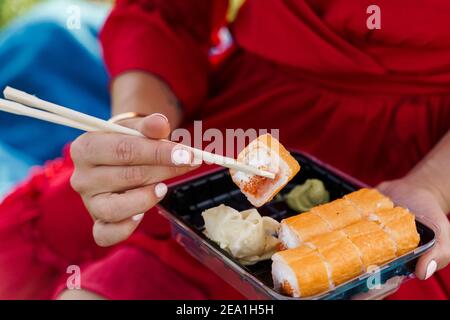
column 326, row 244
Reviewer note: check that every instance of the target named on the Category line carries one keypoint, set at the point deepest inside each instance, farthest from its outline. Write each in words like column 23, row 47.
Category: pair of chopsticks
column 24, row 104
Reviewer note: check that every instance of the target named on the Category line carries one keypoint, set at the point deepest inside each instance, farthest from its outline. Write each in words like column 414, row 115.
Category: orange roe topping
column 254, row 185
column 258, row 185
column 287, row 289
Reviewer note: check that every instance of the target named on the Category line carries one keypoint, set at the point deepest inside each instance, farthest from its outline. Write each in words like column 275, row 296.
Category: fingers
column 108, row 234
column 422, row 201
column 117, row 149
column 116, row 207
column 432, row 261
column 105, row 179
column 79, row 294
column 98, row 148
column 125, row 212
column 439, row 256
column 155, row 126
column 117, row 175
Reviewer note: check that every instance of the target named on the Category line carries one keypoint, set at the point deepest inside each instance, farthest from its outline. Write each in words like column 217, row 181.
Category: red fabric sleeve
column 168, row 38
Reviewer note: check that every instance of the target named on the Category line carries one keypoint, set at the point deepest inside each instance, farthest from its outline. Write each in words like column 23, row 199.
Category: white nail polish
column 161, row 115
column 431, row 268
column 196, row 161
column 181, row 156
column 138, row 217
column 160, row 190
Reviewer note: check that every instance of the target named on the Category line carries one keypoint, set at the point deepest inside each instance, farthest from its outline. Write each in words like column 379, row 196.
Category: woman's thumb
column 154, row 126
column 437, row 258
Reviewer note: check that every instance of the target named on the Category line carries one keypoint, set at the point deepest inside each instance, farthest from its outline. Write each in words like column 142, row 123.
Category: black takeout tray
column 187, row 199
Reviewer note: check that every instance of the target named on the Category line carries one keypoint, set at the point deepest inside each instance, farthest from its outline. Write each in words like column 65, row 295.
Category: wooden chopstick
column 17, row 108
column 64, row 116
column 35, row 102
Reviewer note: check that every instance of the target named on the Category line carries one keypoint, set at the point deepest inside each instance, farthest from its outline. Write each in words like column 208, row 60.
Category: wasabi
column 308, row 195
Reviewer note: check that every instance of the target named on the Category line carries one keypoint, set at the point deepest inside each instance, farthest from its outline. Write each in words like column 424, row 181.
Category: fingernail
column 161, row 115
column 181, row 156
column 160, row 190
column 431, row 268
column 138, row 217
column 196, row 161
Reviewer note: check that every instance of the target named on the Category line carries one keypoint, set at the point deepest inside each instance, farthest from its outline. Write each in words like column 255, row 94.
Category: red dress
column 370, row 102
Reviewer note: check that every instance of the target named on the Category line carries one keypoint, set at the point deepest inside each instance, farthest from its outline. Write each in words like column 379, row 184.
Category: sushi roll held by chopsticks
column 267, row 154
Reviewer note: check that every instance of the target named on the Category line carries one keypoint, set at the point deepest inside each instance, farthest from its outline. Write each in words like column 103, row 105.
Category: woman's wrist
column 427, row 175
column 143, row 93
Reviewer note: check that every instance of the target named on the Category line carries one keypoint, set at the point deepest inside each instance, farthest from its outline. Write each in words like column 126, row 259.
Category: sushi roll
column 328, row 217
column 300, row 228
column 369, row 200
column 300, row 272
column 338, row 241
column 375, row 246
column 400, row 225
column 326, row 239
column 316, row 266
column 265, row 153
column 341, row 256
column 338, row 214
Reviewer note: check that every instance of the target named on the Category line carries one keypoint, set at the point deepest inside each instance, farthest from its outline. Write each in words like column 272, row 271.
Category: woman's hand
column 425, row 202
column 120, row 177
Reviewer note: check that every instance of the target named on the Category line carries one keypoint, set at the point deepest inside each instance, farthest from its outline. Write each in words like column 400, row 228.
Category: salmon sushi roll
column 343, row 260
column 369, row 200
column 326, row 239
column 400, row 225
column 340, row 255
column 375, row 246
column 338, row 214
column 300, row 228
column 324, row 218
column 265, row 153
column 300, row 272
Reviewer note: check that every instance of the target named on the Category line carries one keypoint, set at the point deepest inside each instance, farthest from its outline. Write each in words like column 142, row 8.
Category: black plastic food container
column 186, row 200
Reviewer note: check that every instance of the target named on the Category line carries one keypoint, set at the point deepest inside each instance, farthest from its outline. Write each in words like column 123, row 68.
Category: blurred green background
column 12, row 8
column 9, row 9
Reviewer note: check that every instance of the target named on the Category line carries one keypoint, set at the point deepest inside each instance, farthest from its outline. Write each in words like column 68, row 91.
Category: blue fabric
column 13, row 167
column 39, row 54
